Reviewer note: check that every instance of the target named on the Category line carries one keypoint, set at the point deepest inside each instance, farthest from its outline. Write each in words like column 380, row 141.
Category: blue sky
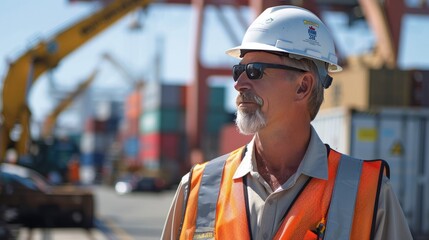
column 168, row 28
column 135, row 50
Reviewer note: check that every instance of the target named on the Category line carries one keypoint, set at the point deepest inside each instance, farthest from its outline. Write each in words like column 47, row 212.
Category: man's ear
column 305, row 86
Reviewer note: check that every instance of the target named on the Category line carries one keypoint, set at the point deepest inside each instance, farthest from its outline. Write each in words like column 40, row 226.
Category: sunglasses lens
column 254, row 71
column 237, row 70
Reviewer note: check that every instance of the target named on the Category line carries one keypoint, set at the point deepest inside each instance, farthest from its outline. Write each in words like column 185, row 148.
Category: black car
column 27, row 199
column 136, row 183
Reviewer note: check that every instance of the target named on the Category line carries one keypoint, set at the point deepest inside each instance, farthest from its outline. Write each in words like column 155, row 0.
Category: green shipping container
column 216, row 119
column 216, row 100
column 162, row 120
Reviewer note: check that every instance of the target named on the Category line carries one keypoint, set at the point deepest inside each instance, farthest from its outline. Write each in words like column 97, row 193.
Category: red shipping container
column 89, row 125
column 159, row 146
column 149, row 146
column 184, row 96
column 170, row 146
column 94, row 125
column 99, row 126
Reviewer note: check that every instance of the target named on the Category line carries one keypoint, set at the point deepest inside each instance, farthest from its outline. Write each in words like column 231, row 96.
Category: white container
column 157, row 95
column 398, row 135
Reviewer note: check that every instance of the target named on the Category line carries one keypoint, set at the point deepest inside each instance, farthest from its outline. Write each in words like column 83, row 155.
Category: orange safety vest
column 305, row 219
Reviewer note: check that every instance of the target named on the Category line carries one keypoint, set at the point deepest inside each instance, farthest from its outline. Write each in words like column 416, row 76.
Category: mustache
column 249, row 97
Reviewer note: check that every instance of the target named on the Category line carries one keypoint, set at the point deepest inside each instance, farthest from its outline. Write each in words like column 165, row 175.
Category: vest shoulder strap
column 342, row 206
column 208, row 194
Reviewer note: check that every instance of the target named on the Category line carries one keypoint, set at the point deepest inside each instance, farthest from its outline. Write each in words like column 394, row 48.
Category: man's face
column 263, row 102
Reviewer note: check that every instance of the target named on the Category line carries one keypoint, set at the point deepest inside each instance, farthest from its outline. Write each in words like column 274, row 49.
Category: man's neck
column 279, row 154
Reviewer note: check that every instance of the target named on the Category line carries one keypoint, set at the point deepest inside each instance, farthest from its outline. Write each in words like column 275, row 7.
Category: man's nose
column 243, row 83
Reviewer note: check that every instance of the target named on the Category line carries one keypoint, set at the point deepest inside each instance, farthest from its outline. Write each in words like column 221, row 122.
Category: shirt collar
column 314, row 164
column 246, row 164
column 315, row 161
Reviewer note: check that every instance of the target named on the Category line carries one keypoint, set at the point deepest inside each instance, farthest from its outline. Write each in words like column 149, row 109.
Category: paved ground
column 61, row 234
column 137, row 216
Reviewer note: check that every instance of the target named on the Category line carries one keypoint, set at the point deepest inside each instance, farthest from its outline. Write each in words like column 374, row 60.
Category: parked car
column 135, row 183
column 27, row 199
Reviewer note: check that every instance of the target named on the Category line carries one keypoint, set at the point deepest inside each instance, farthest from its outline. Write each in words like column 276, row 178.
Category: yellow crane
column 45, row 55
column 50, row 120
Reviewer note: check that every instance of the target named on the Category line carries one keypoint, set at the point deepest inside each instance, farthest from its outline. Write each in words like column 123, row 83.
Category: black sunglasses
column 256, row 70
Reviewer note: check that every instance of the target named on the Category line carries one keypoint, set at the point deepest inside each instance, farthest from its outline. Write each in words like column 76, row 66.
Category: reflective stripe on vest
column 341, row 209
column 218, row 211
column 208, row 195
column 229, row 196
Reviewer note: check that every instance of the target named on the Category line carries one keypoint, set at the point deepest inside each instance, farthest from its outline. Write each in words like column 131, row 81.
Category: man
column 285, row 184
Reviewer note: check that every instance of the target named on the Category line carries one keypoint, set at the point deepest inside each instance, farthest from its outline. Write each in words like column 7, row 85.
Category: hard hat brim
column 237, row 52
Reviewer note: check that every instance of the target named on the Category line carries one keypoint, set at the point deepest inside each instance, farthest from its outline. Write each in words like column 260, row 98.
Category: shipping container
column 161, row 146
column 87, row 142
column 398, row 135
column 131, row 147
column 162, row 120
column 92, row 167
column 103, row 141
column 216, row 98
column 216, row 119
column 132, row 105
column 103, row 110
column 110, row 125
column 157, row 95
column 390, row 87
column 130, row 127
column 420, row 88
column 362, row 86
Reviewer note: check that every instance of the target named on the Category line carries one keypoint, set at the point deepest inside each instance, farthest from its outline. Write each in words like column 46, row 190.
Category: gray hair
column 319, row 70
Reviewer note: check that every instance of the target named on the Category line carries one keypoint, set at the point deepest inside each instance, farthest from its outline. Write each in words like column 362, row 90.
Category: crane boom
column 26, row 69
column 128, row 77
column 135, row 83
column 50, row 120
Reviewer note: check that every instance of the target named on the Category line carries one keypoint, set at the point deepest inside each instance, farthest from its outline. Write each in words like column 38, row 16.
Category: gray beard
column 249, row 123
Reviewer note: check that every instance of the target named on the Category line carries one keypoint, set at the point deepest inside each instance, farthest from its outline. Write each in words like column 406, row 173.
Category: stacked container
column 162, row 129
column 130, row 129
column 163, row 144
column 216, row 118
column 398, row 135
column 216, row 114
column 98, row 136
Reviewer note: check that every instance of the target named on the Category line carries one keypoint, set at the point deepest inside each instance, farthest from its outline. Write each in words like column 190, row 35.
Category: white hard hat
column 292, row 30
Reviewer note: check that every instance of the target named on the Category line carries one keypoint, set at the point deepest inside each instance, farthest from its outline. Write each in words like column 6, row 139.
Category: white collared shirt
column 267, row 207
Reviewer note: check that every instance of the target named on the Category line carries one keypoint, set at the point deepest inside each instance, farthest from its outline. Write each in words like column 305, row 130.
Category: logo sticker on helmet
column 312, row 33
column 306, row 22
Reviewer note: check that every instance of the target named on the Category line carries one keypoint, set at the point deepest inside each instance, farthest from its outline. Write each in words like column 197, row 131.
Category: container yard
column 124, row 97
